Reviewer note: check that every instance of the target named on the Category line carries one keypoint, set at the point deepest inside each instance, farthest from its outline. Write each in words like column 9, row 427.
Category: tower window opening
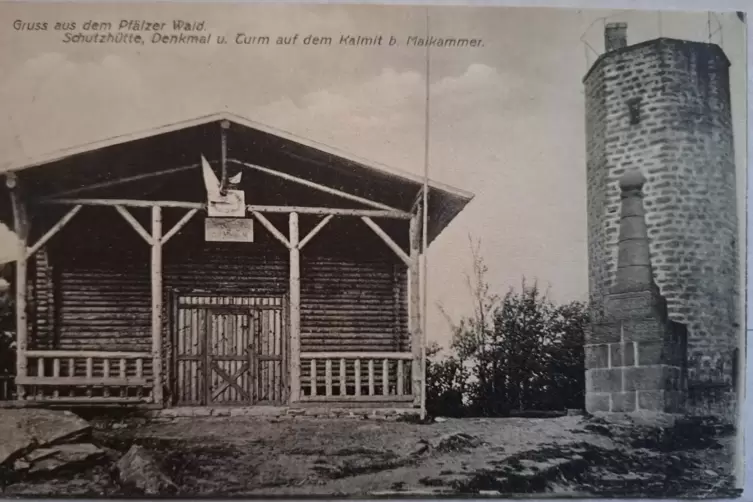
column 634, row 109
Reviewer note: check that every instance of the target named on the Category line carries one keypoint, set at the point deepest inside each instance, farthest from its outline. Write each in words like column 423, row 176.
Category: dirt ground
column 568, row 456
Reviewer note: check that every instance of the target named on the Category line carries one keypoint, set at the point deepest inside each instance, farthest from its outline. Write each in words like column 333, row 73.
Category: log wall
column 101, row 297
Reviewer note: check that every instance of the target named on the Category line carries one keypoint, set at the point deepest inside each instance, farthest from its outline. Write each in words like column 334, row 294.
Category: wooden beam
column 414, row 313
column 358, row 355
column 51, row 232
column 121, row 181
column 95, row 354
column 387, row 239
column 295, row 311
column 224, row 126
column 157, row 304
column 358, row 399
column 21, row 225
column 317, row 186
column 272, row 230
column 84, row 381
column 374, row 213
column 181, row 223
column 314, row 231
column 135, row 224
column 125, row 203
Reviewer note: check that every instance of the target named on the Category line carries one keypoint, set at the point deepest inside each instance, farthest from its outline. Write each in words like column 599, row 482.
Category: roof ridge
column 53, row 156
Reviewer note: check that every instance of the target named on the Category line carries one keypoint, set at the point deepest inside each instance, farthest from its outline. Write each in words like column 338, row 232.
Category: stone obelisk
column 634, row 354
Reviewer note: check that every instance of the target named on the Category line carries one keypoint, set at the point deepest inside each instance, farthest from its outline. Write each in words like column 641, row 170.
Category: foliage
column 516, row 352
column 7, row 326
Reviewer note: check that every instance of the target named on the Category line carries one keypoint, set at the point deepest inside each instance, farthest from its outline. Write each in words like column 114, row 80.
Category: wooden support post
column 295, row 311
column 224, row 126
column 21, row 229
column 157, row 304
column 414, row 313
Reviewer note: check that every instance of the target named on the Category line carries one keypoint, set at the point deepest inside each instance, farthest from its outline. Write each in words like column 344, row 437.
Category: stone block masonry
column 663, row 107
column 635, row 355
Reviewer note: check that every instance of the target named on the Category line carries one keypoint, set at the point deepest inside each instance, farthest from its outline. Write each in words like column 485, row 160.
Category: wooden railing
column 7, row 388
column 356, row 376
column 60, row 375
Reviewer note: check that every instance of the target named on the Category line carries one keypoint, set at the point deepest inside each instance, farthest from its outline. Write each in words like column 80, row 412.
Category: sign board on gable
column 232, row 205
column 229, row 229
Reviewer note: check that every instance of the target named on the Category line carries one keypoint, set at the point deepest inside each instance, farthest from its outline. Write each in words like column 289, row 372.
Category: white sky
column 507, row 120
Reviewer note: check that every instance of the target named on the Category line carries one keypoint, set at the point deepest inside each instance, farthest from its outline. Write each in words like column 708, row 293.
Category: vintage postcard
column 262, row 250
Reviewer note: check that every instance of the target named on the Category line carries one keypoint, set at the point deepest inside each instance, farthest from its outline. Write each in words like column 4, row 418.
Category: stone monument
column 635, row 355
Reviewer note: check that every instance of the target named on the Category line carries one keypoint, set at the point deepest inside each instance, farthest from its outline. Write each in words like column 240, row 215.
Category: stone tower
column 663, row 107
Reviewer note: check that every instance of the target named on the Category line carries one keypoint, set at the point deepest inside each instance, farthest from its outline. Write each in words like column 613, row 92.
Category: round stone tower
column 663, row 106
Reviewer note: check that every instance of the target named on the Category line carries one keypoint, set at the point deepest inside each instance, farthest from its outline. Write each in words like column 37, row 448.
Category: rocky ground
column 252, row 456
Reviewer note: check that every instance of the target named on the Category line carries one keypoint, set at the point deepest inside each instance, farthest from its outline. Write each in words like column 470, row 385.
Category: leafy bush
column 514, row 353
column 7, row 327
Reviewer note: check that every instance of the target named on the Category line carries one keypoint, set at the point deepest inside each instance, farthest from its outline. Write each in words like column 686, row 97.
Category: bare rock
column 21, row 466
column 63, row 456
column 421, row 447
column 22, row 430
column 138, row 469
column 456, row 441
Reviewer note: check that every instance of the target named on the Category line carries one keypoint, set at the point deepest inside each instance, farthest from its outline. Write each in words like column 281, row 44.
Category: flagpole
column 424, row 233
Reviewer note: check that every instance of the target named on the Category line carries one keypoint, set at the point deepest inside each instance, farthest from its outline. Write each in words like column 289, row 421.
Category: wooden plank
column 89, row 374
column 328, row 377
column 106, row 374
column 81, row 381
column 134, row 223
column 357, row 369
column 343, row 389
column 374, row 213
column 387, row 239
column 21, row 228
column 371, row 377
column 56, row 374
column 314, row 231
column 87, row 353
column 357, row 399
column 54, row 230
column 386, row 377
column 156, row 269
column 295, row 310
column 272, row 230
column 357, row 355
column 313, row 377
column 317, row 186
column 178, row 226
column 400, row 378
column 126, row 203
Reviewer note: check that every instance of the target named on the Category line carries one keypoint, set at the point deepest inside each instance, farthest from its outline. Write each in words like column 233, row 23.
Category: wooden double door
column 229, row 350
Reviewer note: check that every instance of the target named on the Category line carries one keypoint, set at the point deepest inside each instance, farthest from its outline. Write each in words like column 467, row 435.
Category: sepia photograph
column 371, row 251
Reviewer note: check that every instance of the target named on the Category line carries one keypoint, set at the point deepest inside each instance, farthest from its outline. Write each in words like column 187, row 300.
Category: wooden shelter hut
column 297, row 284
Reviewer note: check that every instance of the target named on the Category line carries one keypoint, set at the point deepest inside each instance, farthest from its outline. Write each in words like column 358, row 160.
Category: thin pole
column 708, row 25
column 424, row 233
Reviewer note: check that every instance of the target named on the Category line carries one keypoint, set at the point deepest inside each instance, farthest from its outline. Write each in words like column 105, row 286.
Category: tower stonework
column 663, row 107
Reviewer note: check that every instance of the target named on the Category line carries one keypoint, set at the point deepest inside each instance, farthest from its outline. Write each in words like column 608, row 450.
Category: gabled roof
column 182, row 143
